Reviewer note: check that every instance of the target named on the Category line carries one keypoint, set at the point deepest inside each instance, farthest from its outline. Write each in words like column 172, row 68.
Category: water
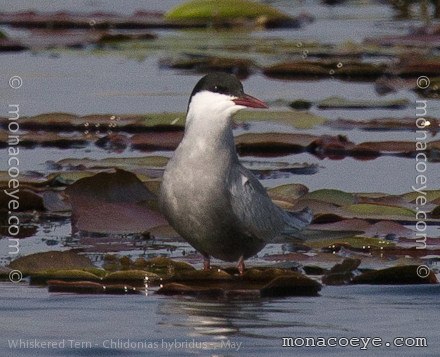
column 257, row 326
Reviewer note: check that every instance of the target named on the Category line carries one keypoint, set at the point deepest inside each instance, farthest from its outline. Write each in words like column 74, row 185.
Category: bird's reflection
column 226, row 318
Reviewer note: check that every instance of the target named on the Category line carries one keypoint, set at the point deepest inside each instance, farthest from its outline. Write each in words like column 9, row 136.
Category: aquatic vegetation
column 112, row 203
column 52, row 260
column 408, row 274
column 224, row 10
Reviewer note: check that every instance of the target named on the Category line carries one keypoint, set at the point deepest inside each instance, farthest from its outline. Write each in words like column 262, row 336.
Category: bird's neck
column 209, row 134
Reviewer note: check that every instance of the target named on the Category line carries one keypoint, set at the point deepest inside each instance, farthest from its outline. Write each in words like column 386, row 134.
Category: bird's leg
column 240, row 265
column 206, row 262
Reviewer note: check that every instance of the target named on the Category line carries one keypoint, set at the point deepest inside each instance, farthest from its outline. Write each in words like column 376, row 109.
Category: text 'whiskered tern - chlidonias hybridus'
column 217, row 205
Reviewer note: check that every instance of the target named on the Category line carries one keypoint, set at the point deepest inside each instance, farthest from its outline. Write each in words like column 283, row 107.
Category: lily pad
column 341, row 273
column 295, row 118
column 132, row 277
column 337, row 197
column 128, row 163
column 88, row 287
column 288, row 193
column 342, row 103
column 273, row 142
column 168, row 140
column 112, row 203
column 50, row 260
column 324, row 69
column 296, row 285
column 66, row 275
column 430, row 195
column 225, row 9
column 367, row 209
column 396, row 275
column 255, row 283
column 27, row 200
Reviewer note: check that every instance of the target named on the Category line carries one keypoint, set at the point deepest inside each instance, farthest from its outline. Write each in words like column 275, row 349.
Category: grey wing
column 256, row 213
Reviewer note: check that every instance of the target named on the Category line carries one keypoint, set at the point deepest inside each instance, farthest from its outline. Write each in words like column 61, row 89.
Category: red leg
column 206, row 262
column 240, row 265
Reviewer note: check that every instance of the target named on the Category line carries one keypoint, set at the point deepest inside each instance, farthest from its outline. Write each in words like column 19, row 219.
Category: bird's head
column 221, row 93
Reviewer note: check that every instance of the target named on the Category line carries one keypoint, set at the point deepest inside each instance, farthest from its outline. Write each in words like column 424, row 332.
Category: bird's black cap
column 219, row 82
column 225, row 83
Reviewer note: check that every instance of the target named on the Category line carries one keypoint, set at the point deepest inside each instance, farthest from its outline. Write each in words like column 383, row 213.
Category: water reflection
column 229, row 318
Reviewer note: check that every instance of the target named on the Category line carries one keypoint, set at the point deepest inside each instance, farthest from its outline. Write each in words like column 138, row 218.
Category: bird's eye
column 219, row 89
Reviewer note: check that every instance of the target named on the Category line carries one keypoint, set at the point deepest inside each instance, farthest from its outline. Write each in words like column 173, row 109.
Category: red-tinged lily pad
column 167, row 140
column 54, row 140
column 387, row 146
column 94, row 123
column 388, row 228
column 20, row 200
column 416, row 66
column 353, row 224
column 112, row 203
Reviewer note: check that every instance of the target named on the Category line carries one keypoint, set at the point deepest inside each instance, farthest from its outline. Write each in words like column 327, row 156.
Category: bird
column 210, row 199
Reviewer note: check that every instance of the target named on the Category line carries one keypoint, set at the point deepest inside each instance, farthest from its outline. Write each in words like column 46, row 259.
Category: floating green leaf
column 295, row 118
column 339, row 198
column 224, row 9
column 342, row 103
column 430, row 195
column 287, row 193
column 367, row 209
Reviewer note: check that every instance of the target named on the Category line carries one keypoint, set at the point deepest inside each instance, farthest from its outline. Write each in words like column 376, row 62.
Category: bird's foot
column 206, row 263
column 240, row 265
